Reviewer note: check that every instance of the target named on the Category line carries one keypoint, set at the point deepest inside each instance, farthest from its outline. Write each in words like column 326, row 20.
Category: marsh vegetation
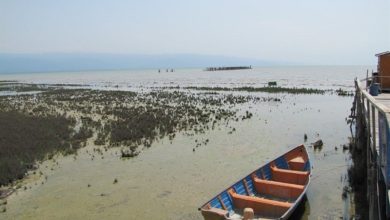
column 34, row 127
column 271, row 88
column 64, row 118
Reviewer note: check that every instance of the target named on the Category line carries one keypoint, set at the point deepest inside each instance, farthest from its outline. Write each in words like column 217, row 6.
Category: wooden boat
column 273, row 191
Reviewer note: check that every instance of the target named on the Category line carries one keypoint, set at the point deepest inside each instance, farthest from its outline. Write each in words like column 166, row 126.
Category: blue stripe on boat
column 227, row 201
column 249, row 183
column 259, row 173
column 267, row 172
column 240, row 188
column 307, row 166
column 215, row 203
column 281, row 163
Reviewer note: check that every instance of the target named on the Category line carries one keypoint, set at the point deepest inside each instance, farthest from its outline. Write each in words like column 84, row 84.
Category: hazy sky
column 301, row 31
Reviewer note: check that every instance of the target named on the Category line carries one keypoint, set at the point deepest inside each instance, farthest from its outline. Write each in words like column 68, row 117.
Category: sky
column 320, row 32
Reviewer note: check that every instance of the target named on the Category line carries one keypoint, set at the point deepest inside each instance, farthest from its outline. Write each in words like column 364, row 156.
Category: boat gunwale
column 288, row 213
column 296, row 202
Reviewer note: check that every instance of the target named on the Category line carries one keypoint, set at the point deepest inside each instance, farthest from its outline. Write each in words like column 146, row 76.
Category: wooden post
column 368, row 116
column 359, row 118
column 373, row 128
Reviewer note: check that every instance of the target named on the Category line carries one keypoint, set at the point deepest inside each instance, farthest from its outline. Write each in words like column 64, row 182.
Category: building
column 384, row 70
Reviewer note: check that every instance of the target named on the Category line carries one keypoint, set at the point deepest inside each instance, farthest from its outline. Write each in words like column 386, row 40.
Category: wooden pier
column 372, row 134
column 228, row 68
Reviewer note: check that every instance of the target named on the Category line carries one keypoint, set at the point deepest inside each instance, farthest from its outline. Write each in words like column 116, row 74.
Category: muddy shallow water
column 170, row 180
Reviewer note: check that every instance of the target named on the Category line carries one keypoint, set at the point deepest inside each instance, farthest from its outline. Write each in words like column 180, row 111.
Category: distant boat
column 273, row 191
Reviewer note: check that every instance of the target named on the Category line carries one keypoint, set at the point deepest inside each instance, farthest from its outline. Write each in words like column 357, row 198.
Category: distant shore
column 228, row 68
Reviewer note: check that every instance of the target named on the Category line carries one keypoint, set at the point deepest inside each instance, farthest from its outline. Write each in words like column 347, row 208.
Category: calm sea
column 299, row 76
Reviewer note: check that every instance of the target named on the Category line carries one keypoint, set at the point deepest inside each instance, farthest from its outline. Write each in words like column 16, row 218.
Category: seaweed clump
column 341, row 92
column 268, row 89
column 36, row 126
column 26, row 139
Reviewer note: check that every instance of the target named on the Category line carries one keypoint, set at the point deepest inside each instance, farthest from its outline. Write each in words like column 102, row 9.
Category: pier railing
column 375, row 116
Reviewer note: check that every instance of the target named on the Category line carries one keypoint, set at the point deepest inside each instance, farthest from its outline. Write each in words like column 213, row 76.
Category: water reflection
column 302, row 211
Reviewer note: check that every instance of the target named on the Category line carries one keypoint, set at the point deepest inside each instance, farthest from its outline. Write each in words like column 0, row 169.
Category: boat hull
column 273, row 191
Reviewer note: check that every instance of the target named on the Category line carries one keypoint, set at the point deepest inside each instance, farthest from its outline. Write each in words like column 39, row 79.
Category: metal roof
column 383, row 53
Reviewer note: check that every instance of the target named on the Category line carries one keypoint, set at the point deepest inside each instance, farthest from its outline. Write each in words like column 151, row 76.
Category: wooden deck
column 384, row 99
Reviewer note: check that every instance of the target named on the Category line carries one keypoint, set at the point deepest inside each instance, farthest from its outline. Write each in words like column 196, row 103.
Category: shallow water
column 12, row 93
column 170, row 181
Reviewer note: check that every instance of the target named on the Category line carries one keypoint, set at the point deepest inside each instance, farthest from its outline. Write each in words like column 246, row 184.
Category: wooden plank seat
column 261, row 206
column 273, row 173
column 282, row 190
column 297, row 163
column 289, row 176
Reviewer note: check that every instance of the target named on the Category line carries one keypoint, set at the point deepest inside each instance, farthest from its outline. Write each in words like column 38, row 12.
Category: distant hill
column 20, row 63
